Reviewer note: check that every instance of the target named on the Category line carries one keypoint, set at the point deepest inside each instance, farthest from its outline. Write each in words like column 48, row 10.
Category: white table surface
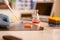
column 28, row 35
column 46, row 34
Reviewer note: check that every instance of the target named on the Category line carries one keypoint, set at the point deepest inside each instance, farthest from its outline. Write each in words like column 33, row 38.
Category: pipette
column 7, row 3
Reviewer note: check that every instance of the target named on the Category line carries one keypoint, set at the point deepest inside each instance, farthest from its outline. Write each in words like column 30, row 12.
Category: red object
column 36, row 22
column 27, row 26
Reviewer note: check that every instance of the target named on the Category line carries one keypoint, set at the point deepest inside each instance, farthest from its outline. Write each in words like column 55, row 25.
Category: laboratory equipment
column 7, row 3
column 54, row 21
column 35, row 16
column 36, row 20
column 4, row 22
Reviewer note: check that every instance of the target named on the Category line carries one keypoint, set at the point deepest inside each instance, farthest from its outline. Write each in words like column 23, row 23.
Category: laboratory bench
column 20, row 26
column 48, row 33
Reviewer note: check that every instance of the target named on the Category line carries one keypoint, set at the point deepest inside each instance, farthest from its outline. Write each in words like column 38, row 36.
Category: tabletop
column 20, row 26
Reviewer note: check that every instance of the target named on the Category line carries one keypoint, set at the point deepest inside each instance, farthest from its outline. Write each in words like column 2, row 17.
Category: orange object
column 54, row 19
column 27, row 26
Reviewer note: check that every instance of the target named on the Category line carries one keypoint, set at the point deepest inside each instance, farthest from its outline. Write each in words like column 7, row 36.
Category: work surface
column 33, row 35
column 47, row 34
column 20, row 26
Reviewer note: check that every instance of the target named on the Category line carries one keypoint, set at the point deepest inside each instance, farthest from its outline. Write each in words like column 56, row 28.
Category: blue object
column 52, row 25
column 1, row 1
column 4, row 21
column 20, row 0
column 33, row 3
